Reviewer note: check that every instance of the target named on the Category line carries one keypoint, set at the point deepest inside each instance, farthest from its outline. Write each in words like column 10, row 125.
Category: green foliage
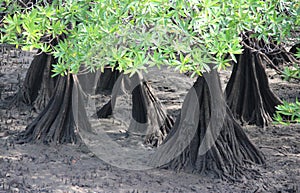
column 287, row 113
column 294, row 71
column 291, row 72
column 183, row 34
column 298, row 53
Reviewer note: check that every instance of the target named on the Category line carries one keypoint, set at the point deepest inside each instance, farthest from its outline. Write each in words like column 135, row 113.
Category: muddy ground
column 73, row 168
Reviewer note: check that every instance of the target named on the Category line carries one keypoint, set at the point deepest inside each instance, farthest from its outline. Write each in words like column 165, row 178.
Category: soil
column 73, row 168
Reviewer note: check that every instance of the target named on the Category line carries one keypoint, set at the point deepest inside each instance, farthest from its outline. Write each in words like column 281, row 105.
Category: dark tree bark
column 147, row 109
column 206, row 138
column 149, row 117
column 107, row 80
column 33, row 79
column 47, row 84
column 55, row 124
column 278, row 55
column 38, row 85
column 105, row 85
column 279, row 58
column 248, row 93
column 273, row 54
column 53, row 96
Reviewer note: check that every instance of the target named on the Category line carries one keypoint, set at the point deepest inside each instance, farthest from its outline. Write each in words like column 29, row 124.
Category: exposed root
column 274, row 55
column 55, row 124
column 38, row 85
column 248, row 93
column 107, row 80
column 47, row 85
column 149, row 117
column 223, row 151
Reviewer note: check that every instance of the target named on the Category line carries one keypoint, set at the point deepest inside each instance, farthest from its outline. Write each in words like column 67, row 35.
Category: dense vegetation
column 184, row 34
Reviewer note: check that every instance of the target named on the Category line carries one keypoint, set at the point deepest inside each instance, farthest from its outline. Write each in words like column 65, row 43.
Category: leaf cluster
column 291, row 72
column 133, row 34
column 287, row 113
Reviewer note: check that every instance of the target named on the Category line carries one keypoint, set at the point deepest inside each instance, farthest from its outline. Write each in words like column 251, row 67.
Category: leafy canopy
column 131, row 34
